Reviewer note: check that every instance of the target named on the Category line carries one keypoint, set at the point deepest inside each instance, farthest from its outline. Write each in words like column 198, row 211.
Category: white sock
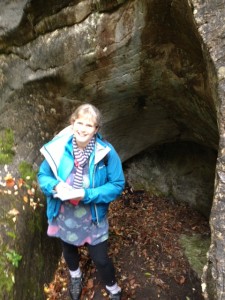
column 75, row 274
column 114, row 289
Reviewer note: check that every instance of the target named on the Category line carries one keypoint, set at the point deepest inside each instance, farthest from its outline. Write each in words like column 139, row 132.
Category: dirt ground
column 144, row 245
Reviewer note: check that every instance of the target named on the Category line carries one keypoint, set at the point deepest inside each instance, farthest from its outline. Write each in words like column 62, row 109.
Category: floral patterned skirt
column 74, row 225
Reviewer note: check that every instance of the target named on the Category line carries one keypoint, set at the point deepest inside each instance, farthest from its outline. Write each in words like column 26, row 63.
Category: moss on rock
column 195, row 248
column 27, row 172
column 6, row 146
column 10, row 257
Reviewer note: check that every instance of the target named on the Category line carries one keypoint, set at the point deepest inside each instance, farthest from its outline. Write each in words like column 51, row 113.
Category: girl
column 80, row 176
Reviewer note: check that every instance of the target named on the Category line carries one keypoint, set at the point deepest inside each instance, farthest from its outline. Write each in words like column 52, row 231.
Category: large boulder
column 154, row 68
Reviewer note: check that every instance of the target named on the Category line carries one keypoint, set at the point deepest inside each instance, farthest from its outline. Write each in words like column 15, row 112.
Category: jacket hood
column 54, row 149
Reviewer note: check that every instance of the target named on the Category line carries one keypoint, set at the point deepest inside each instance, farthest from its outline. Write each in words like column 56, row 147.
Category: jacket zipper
column 93, row 184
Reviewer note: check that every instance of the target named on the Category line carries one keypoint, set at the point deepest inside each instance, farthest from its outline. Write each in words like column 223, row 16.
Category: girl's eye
column 85, row 125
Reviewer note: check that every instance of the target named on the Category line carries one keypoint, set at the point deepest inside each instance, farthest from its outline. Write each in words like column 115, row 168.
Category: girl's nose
column 83, row 127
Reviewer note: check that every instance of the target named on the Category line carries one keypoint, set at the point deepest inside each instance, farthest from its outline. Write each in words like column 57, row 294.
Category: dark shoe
column 115, row 296
column 75, row 288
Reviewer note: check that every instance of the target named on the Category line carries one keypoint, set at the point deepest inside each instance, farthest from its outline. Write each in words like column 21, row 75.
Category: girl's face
column 84, row 128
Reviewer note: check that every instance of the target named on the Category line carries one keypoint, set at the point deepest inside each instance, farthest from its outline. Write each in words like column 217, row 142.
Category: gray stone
column 182, row 172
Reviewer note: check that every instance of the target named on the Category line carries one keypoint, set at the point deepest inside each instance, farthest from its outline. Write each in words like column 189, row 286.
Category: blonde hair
column 87, row 109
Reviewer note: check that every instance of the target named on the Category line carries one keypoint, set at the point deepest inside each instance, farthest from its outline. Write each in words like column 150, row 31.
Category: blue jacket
column 106, row 180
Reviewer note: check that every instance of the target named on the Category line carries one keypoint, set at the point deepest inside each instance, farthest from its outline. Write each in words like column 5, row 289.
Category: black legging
column 99, row 255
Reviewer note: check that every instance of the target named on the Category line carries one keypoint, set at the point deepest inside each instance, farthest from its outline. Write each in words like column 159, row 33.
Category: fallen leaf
column 25, row 199
column 20, row 182
column 90, row 283
column 10, row 182
column 13, row 212
column 181, row 279
column 46, row 289
column 30, row 192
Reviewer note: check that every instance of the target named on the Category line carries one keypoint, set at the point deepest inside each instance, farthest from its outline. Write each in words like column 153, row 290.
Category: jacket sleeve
column 113, row 185
column 46, row 179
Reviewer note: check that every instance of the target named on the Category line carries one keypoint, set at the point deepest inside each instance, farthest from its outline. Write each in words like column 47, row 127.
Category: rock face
column 140, row 62
column 208, row 17
column 154, row 68
column 176, row 171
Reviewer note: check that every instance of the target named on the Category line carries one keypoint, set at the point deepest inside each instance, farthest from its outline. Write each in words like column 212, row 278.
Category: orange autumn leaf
column 10, row 181
column 29, row 192
column 90, row 283
column 20, row 182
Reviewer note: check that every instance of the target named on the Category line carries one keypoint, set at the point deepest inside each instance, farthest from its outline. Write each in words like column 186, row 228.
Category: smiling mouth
column 81, row 134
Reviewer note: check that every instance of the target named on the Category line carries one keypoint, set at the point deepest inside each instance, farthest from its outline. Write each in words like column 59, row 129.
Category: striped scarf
column 81, row 158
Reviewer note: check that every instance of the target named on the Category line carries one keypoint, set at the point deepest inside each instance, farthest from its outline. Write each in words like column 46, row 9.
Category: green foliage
column 11, row 234
column 9, row 256
column 9, row 260
column 7, row 279
column 13, row 257
column 6, row 146
column 27, row 172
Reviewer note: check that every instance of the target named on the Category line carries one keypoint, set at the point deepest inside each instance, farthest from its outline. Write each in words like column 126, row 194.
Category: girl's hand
column 62, row 186
column 66, row 192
